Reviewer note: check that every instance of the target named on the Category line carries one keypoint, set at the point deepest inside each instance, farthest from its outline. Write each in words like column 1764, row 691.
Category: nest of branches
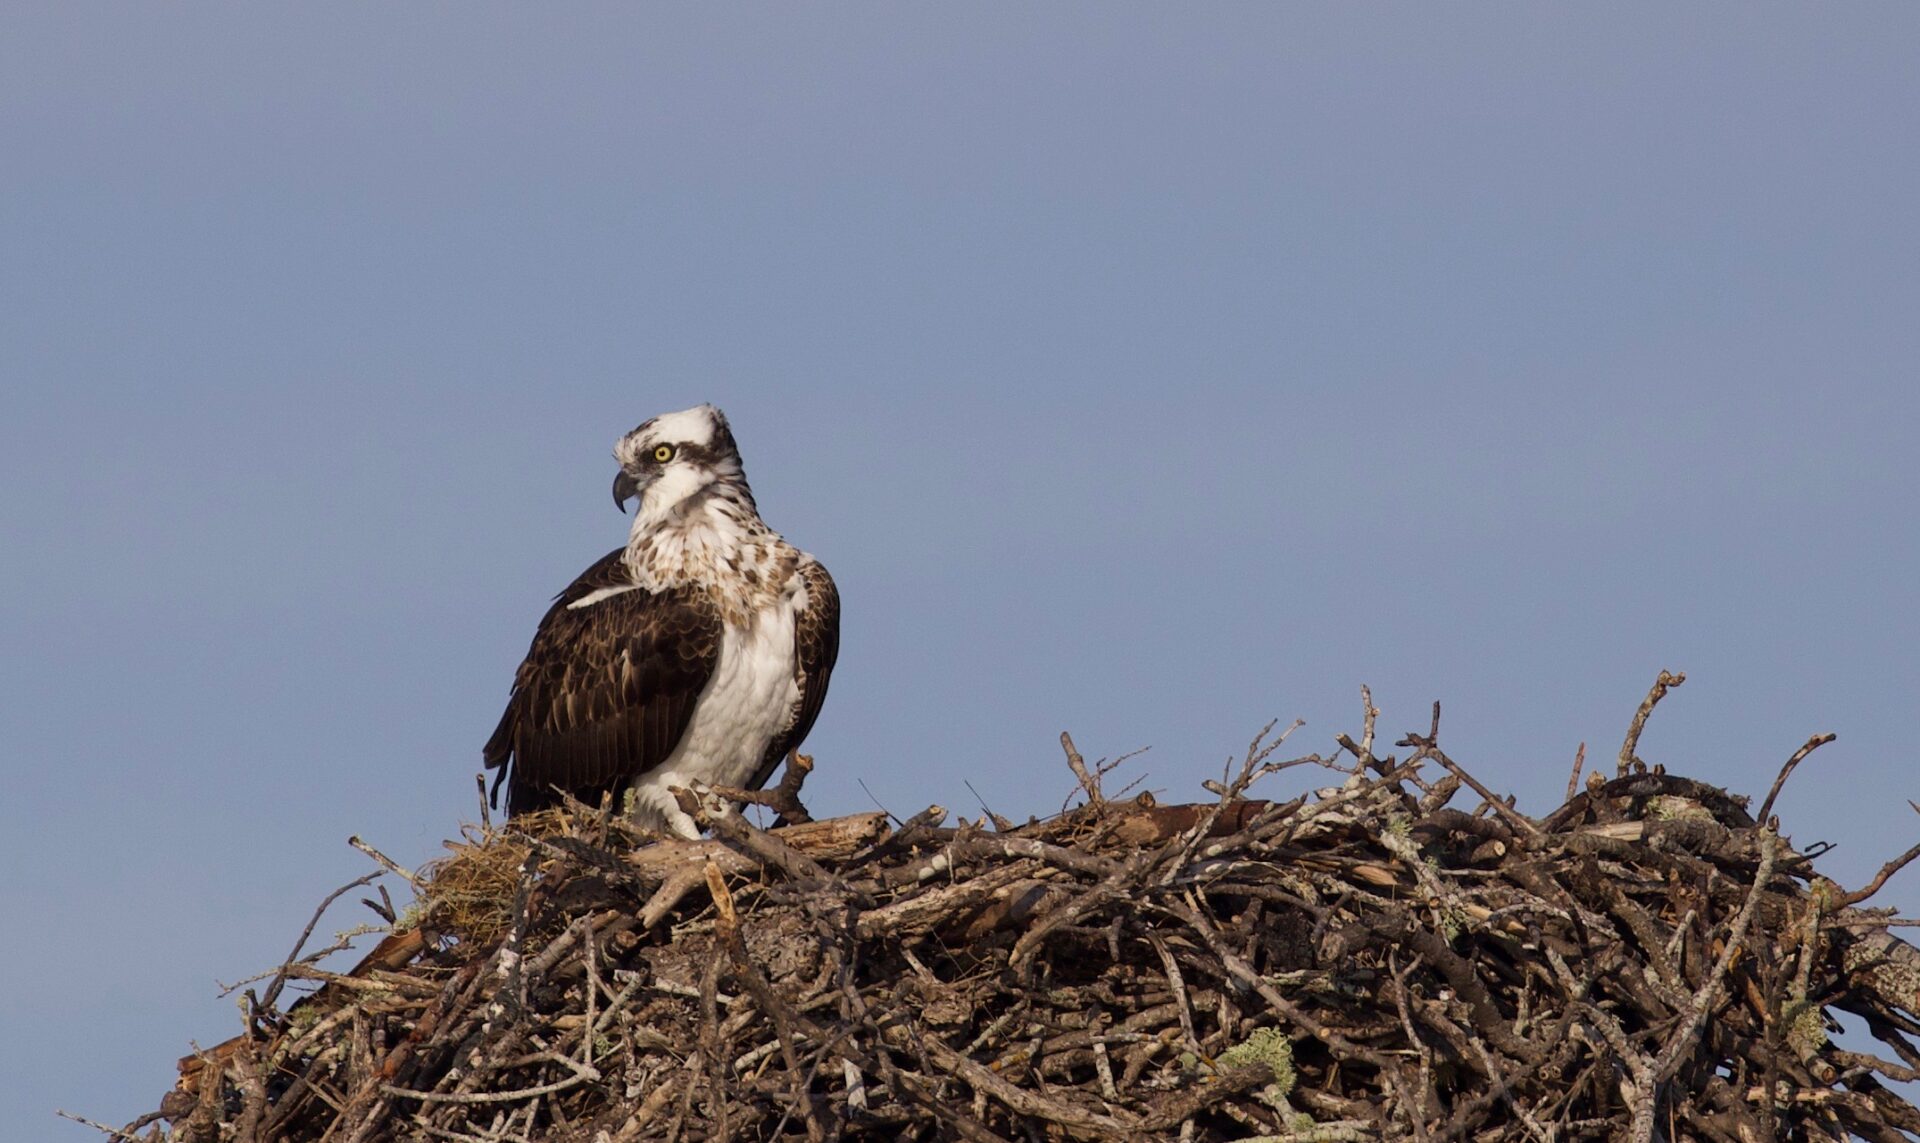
column 1368, row 961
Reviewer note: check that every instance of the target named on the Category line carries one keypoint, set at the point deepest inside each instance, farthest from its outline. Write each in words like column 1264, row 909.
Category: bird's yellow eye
column 663, row 453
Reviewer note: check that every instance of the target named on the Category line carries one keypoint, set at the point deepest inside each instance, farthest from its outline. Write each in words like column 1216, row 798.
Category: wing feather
column 606, row 690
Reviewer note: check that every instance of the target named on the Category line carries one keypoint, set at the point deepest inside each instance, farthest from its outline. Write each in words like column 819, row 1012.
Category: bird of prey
column 698, row 653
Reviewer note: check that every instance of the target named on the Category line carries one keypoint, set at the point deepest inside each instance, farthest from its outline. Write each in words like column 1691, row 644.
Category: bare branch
column 1666, row 682
column 1089, row 781
column 1812, row 744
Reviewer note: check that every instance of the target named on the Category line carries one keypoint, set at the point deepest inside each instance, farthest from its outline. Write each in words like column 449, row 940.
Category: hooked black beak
column 625, row 488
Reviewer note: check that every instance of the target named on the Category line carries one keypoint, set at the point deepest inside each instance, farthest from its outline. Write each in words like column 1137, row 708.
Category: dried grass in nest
column 468, row 895
column 1367, row 962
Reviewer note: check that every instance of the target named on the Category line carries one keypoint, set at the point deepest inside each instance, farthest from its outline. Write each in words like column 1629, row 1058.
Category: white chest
column 751, row 699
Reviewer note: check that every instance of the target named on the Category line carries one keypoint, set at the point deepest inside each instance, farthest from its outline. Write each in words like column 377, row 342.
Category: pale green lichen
column 411, row 916
column 1806, row 1028
column 1268, row 1046
column 1667, row 808
column 1824, row 893
column 302, row 1021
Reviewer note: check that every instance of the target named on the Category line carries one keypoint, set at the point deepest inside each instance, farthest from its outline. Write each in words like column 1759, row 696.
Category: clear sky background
column 1144, row 371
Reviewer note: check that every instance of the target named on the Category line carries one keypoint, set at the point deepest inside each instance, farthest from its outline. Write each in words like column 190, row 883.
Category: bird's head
column 674, row 458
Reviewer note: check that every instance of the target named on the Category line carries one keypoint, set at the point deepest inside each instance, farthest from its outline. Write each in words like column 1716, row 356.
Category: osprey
column 698, row 653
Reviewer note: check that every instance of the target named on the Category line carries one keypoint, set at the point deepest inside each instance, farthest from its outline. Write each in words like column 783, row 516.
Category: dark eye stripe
column 687, row 451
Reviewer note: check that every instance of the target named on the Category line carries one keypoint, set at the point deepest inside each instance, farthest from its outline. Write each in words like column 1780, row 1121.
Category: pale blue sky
column 1146, row 371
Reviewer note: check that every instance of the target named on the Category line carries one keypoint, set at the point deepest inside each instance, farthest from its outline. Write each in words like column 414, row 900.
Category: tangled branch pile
column 1367, row 962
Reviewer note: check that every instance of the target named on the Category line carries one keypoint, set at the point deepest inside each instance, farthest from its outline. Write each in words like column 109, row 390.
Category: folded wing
column 606, row 690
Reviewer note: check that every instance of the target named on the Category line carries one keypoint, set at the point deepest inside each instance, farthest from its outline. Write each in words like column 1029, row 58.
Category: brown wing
column 605, row 691
column 816, row 640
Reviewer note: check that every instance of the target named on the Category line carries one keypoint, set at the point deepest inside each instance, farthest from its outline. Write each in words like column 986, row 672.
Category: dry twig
column 1666, row 682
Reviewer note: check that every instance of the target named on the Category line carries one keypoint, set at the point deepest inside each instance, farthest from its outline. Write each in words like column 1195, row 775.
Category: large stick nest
column 1365, row 962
